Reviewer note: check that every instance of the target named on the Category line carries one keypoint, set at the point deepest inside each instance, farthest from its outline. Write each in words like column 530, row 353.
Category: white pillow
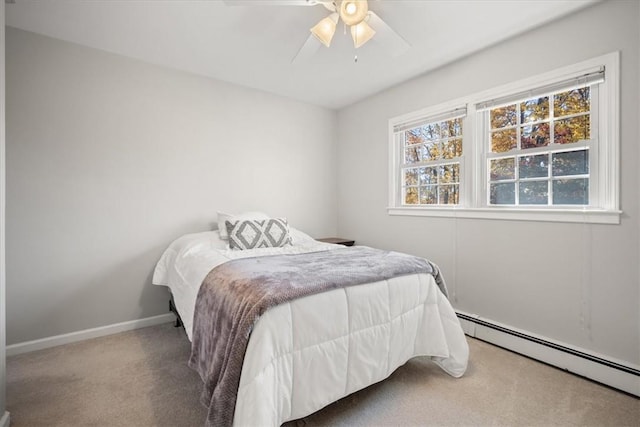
column 298, row 237
column 223, row 216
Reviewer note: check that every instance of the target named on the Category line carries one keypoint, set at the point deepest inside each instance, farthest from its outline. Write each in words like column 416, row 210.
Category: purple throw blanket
column 235, row 294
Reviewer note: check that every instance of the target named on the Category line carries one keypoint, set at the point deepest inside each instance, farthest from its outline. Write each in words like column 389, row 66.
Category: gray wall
column 575, row 283
column 109, row 159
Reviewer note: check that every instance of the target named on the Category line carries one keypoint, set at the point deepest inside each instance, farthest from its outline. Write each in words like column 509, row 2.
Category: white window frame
column 444, row 112
column 604, row 184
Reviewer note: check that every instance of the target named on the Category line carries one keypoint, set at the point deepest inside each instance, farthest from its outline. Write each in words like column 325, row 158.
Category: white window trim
column 395, row 152
column 473, row 182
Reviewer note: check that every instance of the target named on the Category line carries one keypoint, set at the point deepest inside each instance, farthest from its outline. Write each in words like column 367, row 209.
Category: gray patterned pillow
column 258, row 233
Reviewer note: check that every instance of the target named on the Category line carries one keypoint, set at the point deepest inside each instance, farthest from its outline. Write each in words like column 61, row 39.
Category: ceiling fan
column 363, row 25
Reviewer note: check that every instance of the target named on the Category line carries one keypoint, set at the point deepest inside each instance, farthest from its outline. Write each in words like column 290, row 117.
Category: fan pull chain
column 355, row 55
column 355, row 43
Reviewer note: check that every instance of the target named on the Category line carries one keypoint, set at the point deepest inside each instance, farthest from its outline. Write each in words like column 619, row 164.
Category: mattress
column 310, row 352
column 188, row 259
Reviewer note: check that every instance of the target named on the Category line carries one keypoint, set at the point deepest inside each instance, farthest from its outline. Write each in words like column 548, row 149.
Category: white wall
column 3, row 399
column 638, row 162
column 578, row 284
column 109, row 159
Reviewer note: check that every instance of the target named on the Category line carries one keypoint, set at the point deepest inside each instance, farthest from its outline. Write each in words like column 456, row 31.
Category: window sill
column 590, row 216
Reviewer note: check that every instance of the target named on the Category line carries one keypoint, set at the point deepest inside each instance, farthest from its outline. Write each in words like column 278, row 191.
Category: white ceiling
column 253, row 45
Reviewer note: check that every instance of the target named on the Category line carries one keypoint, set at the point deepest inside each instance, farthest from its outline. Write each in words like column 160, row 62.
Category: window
column 430, row 161
column 538, row 148
column 545, row 148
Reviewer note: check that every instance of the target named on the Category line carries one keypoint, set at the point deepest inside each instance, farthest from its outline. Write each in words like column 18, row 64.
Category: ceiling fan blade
column 275, row 2
column 386, row 36
column 308, row 49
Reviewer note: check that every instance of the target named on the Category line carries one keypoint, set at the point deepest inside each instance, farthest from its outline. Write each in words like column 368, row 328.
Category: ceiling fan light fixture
column 352, row 12
column 325, row 29
column 361, row 33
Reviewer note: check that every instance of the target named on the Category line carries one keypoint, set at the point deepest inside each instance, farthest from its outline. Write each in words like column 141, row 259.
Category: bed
column 306, row 353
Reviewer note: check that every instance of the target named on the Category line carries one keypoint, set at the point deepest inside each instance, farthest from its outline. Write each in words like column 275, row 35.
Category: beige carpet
column 140, row 378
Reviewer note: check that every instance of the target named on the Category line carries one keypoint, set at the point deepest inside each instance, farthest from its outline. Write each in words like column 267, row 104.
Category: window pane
column 535, row 136
column 449, row 173
column 534, row 193
column 571, row 192
column 570, row 163
column 429, row 175
column 503, row 194
column 448, row 194
column 413, row 137
column 411, row 196
column 503, row 141
column 428, row 195
column 451, row 128
column 412, row 154
column 411, row 177
column 503, row 169
column 429, row 151
column 452, row 149
column 534, row 110
column 534, row 166
column 572, row 102
column 503, row 117
column 571, row 130
column 431, row 132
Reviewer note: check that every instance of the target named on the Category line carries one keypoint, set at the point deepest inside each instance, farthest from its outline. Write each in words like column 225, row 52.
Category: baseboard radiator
column 617, row 374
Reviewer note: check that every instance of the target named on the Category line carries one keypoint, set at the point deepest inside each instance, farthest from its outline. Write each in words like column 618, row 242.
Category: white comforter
column 310, row 352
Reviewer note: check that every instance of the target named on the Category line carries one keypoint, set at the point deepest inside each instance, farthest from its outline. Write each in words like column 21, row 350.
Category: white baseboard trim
column 27, row 346
column 5, row 421
column 618, row 374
